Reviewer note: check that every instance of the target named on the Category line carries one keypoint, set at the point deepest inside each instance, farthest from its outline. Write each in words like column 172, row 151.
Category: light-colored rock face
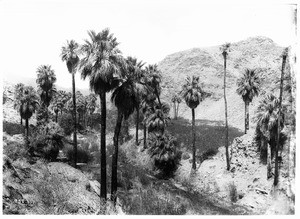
column 247, row 175
column 53, row 188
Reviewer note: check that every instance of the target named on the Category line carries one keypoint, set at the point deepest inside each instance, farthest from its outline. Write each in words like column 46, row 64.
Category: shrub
column 163, row 150
column 15, row 150
column 52, row 194
column 83, row 156
column 152, row 201
column 47, row 140
column 44, row 115
column 208, row 154
column 232, row 192
column 66, row 123
column 93, row 121
column 13, row 128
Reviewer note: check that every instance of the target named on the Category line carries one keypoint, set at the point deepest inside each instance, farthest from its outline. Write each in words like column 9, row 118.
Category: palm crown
column 45, row 80
column 70, row 54
column 192, row 92
column 267, row 116
column 102, row 61
column 248, row 85
column 29, row 102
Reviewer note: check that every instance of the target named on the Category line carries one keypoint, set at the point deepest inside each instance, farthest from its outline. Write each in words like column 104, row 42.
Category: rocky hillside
column 260, row 53
column 207, row 63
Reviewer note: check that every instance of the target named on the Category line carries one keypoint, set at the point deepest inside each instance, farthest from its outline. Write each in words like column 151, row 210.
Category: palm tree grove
column 94, row 128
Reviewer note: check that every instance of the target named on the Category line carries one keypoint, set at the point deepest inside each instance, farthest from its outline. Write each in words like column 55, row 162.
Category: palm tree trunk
column 137, row 125
column 145, row 136
column 226, row 120
column 74, row 119
column 103, row 145
column 27, row 132
column 194, row 139
column 177, row 110
column 156, row 92
column 174, row 106
column 114, row 165
column 269, row 160
column 246, row 116
column 279, row 121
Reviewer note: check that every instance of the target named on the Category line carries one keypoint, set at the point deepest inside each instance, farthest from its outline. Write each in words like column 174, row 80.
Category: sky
column 33, row 31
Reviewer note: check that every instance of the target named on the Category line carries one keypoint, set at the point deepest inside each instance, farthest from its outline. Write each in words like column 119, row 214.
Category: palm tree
column 157, row 118
column 29, row 104
column 176, row 100
column 70, row 55
column 248, row 87
column 284, row 56
column 101, row 63
column 267, row 123
column 193, row 95
column 125, row 99
column 225, row 49
column 58, row 103
column 18, row 95
column 91, row 104
column 148, row 101
column 135, row 68
column 153, row 79
column 45, row 81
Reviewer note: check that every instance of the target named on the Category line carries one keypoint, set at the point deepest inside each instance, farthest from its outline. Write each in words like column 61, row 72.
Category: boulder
column 95, row 187
column 185, row 156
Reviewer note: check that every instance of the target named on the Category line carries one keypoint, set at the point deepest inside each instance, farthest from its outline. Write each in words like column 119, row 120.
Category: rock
column 6, row 192
column 95, row 187
column 185, row 156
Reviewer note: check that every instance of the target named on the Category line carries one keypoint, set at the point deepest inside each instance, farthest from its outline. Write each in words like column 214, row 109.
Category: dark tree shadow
column 210, row 135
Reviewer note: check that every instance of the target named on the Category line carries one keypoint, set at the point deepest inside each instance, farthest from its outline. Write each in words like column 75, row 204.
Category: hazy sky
column 33, row 32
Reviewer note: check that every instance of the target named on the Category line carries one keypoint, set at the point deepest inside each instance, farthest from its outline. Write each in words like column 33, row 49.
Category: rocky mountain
column 258, row 53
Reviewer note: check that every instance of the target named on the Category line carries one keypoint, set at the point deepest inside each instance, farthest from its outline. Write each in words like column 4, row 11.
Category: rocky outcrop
column 53, row 188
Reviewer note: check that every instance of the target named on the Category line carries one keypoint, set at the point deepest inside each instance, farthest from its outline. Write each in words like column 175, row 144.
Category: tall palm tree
column 125, row 99
column 176, row 100
column 157, row 117
column 91, row 104
column 147, row 106
column 153, row 78
column 267, row 122
column 101, row 63
column 134, row 68
column 45, row 81
column 29, row 104
column 70, row 55
column 284, row 56
column 193, row 95
column 18, row 95
column 225, row 49
column 248, row 87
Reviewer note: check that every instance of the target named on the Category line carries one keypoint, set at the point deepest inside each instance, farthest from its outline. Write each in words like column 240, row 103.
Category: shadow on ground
column 209, row 134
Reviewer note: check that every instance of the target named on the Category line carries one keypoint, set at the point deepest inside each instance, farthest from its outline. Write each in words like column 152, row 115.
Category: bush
column 15, row 150
column 93, row 121
column 233, row 192
column 47, row 140
column 163, row 150
column 13, row 128
column 83, row 156
column 66, row 123
column 208, row 154
column 44, row 115
column 152, row 201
